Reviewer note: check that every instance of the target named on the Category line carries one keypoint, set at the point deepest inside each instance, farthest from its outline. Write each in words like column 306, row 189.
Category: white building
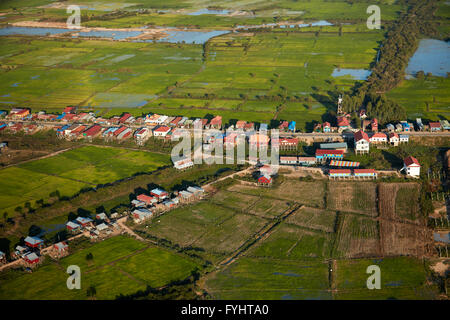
column 362, row 142
column 411, row 167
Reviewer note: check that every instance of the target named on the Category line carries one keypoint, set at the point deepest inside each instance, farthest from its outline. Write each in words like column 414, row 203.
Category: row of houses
column 159, row 200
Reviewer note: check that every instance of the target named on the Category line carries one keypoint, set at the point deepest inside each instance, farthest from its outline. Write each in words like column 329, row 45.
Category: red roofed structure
column 92, row 131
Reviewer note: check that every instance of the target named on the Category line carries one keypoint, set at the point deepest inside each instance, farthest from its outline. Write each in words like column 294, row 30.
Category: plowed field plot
column 269, row 208
column 308, row 193
column 231, row 234
column 401, row 278
column 313, row 218
column 405, row 239
column 352, row 197
column 234, row 200
column 205, row 225
column 294, row 243
column 250, row 278
column 357, row 237
column 400, row 201
column 185, row 225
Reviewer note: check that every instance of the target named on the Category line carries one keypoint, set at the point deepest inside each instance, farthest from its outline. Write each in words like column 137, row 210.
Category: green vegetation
column 69, row 172
column 120, row 265
column 401, row 278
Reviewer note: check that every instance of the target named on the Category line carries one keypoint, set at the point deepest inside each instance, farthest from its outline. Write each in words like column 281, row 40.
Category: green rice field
column 120, row 265
column 70, row 172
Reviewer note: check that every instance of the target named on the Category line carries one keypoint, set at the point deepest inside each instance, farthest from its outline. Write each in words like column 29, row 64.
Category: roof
column 379, row 135
column 83, row 220
column 404, row 136
column 158, row 191
column 288, row 158
column 31, row 256
column 326, row 151
column 195, row 189
column 361, row 135
column 33, row 240
column 435, row 124
column 216, row 121
column 101, row 216
column 61, row 245
column 72, row 225
column 144, row 198
column 93, row 130
column 336, row 145
column 343, row 122
column 356, row 171
column 101, row 227
column 341, row 163
column 162, row 129
column 411, row 161
column 340, row 171
column 393, row 135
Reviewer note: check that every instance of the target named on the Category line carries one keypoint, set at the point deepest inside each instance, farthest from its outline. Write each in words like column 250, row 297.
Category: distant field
column 352, row 196
column 71, row 171
column 402, row 278
column 121, row 265
column 415, row 94
column 257, row 279
column 114, row 77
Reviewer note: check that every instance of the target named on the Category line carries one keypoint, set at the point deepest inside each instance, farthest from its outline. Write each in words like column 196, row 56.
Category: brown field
column 234, row 200
column 269, row 208
column 313, row 218
column 399, row 202
column 357, row 237
column 405, row 239
column 357, row 197
column 307, row 193
column 231, row 234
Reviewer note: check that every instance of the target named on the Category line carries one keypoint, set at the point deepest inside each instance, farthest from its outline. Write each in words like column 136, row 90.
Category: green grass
column 401, row 278
column 121, row 265
column 270, row 279
column 289, row 242
column 415, row 94
column 72, row 171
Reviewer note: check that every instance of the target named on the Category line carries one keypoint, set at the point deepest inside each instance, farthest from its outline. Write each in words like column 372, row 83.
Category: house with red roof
column 216, row 123
column 365, row 173
column 324, row 154
column 378, row 138
column 411, row 166
column 340, row 173
column 326, row 127
column 435, row 126
column 362, row 142
column 283, row 125
column 240, row 124
column 70, row 110
column 394, row 139
column 343, row 123
column 124, row 117
column 161, row 131
column 146, row 199
column 265, row 180
column 288, row 143
column 92, row 131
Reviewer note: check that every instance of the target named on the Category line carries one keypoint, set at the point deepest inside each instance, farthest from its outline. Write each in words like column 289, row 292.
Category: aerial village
column 144, row 207
column 72, row 125
column 329, row 157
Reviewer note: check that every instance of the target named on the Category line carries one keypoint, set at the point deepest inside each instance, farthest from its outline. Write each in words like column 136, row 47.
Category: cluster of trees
column 400, row 44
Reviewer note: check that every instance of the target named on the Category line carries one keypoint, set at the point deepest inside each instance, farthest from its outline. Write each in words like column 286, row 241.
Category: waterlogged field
column 240, row 76
column 120, row 265
column 70, row 172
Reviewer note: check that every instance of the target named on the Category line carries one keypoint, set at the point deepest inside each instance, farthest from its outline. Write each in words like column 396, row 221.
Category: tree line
column 399, row 45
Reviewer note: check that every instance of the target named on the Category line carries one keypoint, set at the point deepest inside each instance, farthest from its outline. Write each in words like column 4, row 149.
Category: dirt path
column 40, row 158
column 121, row 223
